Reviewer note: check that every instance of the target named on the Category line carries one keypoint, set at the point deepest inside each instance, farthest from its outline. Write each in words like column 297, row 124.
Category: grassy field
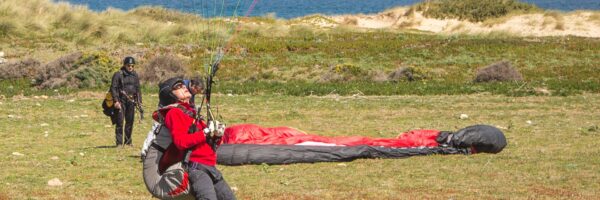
column 327, row 81
column 555, row 156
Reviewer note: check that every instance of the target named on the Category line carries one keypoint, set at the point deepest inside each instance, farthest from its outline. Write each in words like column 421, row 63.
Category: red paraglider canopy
column 254, row 134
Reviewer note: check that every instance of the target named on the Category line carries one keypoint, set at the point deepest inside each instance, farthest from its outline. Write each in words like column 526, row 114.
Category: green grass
column 553, row 157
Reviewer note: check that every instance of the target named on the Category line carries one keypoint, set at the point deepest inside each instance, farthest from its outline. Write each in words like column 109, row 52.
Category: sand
column 578, row 23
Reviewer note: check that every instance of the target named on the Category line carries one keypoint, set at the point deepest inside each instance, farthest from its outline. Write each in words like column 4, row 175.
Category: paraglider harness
column 165, row 178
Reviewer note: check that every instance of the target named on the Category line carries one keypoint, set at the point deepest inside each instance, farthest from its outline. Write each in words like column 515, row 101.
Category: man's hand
column 215, row 129
column 118, row 105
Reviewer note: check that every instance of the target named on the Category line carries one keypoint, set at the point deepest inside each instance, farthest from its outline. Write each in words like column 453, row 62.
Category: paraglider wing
column 252, row 144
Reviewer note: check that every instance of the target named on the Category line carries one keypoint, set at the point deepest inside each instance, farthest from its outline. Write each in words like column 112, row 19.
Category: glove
column 220, row 129
column 215, row 129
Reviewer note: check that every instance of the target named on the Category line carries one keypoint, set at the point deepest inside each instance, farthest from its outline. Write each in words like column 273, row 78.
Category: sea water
column 297, row 8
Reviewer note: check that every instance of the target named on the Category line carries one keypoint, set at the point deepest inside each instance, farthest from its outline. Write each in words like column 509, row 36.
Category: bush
column 502, row 71
column 77, row 70
column 163, row 14
column 161, row 68
column 402, row 73
column 473, row 10
column 27, row 68
column 7, row 28
column 344, row 73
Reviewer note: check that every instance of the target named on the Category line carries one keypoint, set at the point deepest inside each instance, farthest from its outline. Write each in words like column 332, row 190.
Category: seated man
column 180, row 135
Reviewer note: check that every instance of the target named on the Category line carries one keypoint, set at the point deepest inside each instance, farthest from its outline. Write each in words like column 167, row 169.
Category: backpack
column 108, row 105
column 164, row 182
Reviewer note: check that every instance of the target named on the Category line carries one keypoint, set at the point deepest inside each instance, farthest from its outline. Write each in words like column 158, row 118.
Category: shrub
column 163, row 14
column 27, row 68
column 77, row 70
column 473, row 10
column 7, row 28
column 161, row 68
column 502, row 71
column 344, row 73
column 402, row 73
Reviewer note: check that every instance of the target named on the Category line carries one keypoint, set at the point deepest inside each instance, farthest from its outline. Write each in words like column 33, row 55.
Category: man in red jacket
column 207, row 182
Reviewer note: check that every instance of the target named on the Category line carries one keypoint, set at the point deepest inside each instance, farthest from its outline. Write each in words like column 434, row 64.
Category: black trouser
column 126, row 112
column 208, row 183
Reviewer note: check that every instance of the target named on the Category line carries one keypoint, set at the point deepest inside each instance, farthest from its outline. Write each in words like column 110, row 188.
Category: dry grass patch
column 554, row 18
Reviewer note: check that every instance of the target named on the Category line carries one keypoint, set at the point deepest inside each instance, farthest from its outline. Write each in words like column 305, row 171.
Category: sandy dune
column 580, row 23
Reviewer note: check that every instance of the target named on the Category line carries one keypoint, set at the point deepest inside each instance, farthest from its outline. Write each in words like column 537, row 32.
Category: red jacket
column 179, row 123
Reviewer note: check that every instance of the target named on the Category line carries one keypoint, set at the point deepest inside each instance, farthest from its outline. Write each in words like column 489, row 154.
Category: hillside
column 358, row 54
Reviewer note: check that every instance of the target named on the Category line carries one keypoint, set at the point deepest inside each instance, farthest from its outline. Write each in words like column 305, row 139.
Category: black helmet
column 165, row 94
column 128, row 60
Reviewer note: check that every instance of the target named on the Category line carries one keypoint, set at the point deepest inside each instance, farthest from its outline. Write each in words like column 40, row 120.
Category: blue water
column 297, row 8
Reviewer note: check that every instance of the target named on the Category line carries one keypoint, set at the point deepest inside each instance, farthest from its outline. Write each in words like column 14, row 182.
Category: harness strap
column 158, row 147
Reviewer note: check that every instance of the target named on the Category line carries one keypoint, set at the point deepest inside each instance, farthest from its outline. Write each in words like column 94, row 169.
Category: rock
column 529, row 122
column 1, row 54
column 463, row 116
column 11, row 116
column 55, row 182
column 81, row 154
column 54, row 158
column 17, row 154
column 342, row 165
column 44, row 124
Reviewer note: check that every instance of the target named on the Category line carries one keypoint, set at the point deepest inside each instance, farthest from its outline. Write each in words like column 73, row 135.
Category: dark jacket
column 126, row 83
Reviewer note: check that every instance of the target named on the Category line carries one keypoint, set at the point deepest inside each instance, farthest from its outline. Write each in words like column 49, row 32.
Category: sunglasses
column 131, row 65
column 178, row 86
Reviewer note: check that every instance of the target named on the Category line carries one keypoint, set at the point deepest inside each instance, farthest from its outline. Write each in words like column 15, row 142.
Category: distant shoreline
column 284, row 9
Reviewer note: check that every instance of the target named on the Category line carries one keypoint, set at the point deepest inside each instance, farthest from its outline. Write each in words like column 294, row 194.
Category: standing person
column 125, row 89
column 188, row 134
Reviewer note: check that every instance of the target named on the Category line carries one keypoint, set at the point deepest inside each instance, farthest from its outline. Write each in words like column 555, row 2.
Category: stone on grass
column 17, row 154
column 463, row 116
column 55, row 182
